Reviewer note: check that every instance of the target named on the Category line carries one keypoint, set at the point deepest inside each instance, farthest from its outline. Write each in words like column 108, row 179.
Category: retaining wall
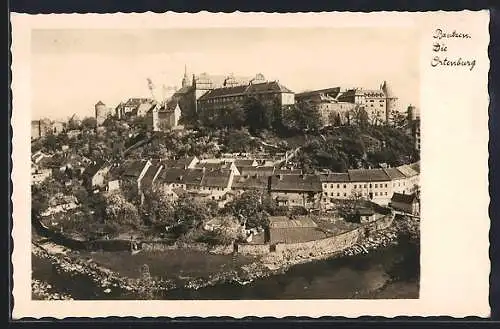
column 322, row 246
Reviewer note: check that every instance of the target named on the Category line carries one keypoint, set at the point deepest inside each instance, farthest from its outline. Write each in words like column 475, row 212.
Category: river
column 386, row 273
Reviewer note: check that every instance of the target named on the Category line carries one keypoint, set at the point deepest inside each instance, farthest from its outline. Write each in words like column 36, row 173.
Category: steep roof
column 174, row 175
column 403, row 198
column 415, row 166
column 335, row 91
column 296, row 183
column 250, row 89
column 134, row 102
column 334, row 178
column 285, row 222
column 250, row 183
column 219, row 178
column 284, row 171
column 394, row 173
column 93, row 169
column 407, row 171
column 134, row 168
column 147, row 179
column 367, row 175
column 244, row 162
column 193, row 177
column 259, row 171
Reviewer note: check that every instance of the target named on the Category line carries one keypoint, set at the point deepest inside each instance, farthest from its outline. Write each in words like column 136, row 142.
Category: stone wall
column 253, row 249
column 318, row 247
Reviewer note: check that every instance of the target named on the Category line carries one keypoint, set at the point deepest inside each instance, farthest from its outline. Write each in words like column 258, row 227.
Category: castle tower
column 185, row 79
column 391, row 101
column 101, row 112
column 412, row 113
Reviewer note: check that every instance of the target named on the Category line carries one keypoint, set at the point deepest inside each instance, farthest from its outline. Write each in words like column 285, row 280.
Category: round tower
column 412, row 113
column 391, row 101
column 100, row 112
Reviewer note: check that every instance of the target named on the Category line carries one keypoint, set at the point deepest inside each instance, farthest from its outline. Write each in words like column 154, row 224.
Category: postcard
column 250, row 164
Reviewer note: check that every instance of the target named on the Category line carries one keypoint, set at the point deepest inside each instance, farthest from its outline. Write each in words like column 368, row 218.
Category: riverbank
column 120, row 273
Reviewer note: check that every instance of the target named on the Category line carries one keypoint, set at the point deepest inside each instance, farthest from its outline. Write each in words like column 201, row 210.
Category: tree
column 157, row 208
column 248, row 209
column 302, row 117
column 239, row 141
column 258, row 116
column 334, row 119
column 188, row 214
column 89, row 123
column 120, row 211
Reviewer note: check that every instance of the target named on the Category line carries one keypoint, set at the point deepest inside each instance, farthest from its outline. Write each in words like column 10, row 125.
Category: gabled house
column 296, row 190
column 135, row 171
column 244, row 183
column 406, row 203
column 216, row 183
column 262, row 171
column 94, row 176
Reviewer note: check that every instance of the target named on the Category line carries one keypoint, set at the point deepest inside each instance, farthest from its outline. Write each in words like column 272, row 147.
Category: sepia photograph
column 250, row 164
column 225, row 163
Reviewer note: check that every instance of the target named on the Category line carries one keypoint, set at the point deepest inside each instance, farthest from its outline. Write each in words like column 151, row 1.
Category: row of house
column 220, row 180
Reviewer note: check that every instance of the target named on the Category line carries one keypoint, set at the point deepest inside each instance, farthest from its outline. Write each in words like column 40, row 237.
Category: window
column 365, row 185
column 376, row 185
column 370, row 185
column 376, row 193
column 331, row 193
column 385, row 185
column 338, row 194
column 355, row 185
column 331, row 185
column 385, row 193
column 344, row 186
column 325, row 185
column 338, row 185
column 326, row 194
column 345, row 194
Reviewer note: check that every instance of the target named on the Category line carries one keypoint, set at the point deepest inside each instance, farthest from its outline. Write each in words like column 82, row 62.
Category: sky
column 73, row 69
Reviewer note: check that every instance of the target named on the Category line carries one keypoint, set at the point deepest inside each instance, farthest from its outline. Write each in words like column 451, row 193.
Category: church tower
column 185, row 80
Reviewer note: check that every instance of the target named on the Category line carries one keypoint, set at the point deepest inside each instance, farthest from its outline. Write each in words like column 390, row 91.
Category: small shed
column 407, row 203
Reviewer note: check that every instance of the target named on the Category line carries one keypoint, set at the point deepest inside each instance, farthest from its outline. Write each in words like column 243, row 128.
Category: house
column 172, row 178
column 371, row 184
column 219, row 165
column 407, row 203
column 135, row 171
column 94, row 176
column 244, row 183
column 216, row 183
column 245, row 163
column 296, row 190
column 365, row 215
column 262, row 171
column 164, row 117
column 398, row 180
column 149, row 178
column 334, row 186
column 135, row 107
column 183, row 163
column 39, row 175
column 411, row 175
